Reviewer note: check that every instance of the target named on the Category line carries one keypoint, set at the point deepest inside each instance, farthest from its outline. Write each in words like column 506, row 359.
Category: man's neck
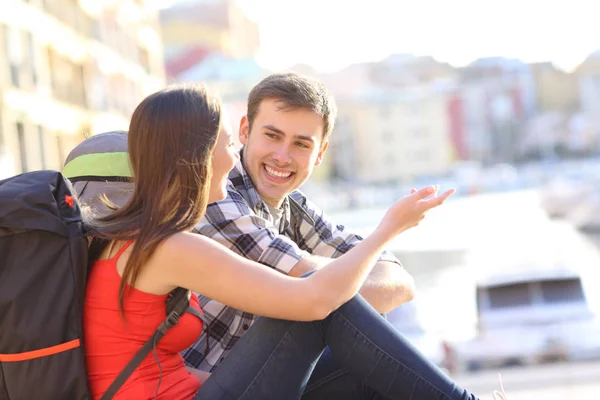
column 271, row 202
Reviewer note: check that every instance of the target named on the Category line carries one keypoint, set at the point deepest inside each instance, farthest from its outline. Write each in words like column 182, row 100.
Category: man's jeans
column 275, row 360
column 330, row 380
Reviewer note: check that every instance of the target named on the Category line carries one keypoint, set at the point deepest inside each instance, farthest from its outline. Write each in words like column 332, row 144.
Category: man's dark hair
column 294, row 91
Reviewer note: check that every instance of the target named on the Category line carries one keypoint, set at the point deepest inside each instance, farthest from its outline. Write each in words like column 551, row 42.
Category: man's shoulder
column 232, row 206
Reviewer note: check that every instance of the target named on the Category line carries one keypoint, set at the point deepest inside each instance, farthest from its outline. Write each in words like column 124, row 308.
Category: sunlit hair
column 171, row 138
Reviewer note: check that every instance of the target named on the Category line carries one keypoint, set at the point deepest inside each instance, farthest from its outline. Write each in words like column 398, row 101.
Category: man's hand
column 387, row 286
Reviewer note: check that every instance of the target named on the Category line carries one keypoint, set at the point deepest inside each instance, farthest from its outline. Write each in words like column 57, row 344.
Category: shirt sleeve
column 323, row 237
column 234, row 224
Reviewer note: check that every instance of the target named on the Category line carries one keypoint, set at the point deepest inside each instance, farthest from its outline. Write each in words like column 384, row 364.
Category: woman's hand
column 411, row 209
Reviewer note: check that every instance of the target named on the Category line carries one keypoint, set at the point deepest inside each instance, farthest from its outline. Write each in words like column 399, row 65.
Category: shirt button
column 245, row 327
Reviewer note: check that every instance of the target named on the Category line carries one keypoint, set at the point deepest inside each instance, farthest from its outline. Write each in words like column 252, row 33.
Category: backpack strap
column 178, row 303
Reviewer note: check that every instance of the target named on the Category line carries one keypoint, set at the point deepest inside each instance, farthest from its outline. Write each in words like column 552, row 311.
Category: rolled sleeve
column 325, row 238
column 235, row 225
column 389, row 257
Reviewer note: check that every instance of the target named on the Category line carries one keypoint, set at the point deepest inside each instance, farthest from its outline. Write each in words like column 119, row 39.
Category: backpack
column 43, row 271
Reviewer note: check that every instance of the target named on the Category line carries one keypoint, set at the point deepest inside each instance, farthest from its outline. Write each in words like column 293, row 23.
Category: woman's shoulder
column 186, row 239
column 184, row 244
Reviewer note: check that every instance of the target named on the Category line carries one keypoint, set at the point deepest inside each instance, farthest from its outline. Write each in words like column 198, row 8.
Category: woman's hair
column 171, row 138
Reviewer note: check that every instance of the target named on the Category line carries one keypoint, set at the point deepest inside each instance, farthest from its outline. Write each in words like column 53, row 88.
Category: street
column 564, row 381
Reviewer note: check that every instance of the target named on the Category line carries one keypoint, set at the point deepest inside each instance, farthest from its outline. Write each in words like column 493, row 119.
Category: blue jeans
column 275, row 359
column 330, row 380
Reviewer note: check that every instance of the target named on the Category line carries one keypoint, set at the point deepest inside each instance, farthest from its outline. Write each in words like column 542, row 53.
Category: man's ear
column 244, row 130
column 322, row 151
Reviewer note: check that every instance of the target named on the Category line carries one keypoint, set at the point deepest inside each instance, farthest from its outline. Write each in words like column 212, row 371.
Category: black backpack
column 43, row 272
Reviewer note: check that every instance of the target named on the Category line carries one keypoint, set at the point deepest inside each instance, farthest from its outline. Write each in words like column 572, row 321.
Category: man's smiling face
column 281, row 148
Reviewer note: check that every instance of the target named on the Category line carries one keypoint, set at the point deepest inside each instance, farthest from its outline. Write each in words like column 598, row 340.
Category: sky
column 331, row 34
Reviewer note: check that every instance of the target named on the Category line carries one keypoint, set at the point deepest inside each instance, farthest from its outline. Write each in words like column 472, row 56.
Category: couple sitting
column 263, row 250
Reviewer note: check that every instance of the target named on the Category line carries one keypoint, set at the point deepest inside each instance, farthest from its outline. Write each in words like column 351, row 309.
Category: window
column 32, row 58
column 144, row 59
column 15, row 55
column 54, row 8
column 60, row 148
column 67, row 79
column 97, row 29
column 69, row 13
column 510, row 295
column 78, row 88
column 83, row 21
column 42, row 144
column 562, row 291
column 98, row 89
column 1, row 134
column 22, row 146
column 3, row 42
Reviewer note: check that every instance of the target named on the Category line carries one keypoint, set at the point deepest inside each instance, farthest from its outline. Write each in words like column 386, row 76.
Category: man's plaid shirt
column 242, row 222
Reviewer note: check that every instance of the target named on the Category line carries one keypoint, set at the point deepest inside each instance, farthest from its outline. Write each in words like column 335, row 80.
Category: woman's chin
column 217, row 195
column 223, row 196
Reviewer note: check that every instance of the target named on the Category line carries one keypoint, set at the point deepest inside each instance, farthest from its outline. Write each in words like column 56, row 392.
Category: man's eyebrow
column 279, row 131
column 274, row 129
column 303, row 137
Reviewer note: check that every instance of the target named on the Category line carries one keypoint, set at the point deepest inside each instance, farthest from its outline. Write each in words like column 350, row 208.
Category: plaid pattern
column 242, row 223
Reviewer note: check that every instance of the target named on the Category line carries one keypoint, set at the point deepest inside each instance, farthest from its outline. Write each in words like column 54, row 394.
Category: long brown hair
column 171, row 138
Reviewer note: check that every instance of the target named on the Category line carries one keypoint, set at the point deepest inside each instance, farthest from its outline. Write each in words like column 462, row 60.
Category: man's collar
column 243, row 183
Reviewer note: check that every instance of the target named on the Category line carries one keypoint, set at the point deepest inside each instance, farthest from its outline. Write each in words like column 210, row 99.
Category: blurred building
column 71, row 68
column 389, row 137
column 401, row 70
column 395, row 120
column 555, row 90
column 588, row 76
column 497, row 96
column 213, row 42
column 193, row 30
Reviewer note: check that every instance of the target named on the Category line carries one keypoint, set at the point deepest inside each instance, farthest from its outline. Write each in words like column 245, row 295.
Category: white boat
column 539, row 308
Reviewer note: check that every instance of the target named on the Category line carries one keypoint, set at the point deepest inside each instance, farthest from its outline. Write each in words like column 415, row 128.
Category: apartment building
column 69, row 69
column 393, row 138
column 195, row 29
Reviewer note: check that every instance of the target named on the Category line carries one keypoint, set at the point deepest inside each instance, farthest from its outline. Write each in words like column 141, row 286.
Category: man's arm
column 387, row 287
column 232, row 223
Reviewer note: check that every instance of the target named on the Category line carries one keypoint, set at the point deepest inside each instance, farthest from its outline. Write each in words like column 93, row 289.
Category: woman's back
column 111, row 341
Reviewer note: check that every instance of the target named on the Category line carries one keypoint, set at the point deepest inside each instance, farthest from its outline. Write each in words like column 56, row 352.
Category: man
column 265, row 218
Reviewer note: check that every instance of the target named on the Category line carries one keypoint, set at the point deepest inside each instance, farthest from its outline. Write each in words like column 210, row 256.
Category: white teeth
column 272, row 172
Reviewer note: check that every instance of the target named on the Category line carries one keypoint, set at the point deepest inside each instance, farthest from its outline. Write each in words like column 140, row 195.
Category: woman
column 180, row 156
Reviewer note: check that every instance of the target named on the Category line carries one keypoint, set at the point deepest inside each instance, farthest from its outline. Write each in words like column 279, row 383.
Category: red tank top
column 111, row 342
